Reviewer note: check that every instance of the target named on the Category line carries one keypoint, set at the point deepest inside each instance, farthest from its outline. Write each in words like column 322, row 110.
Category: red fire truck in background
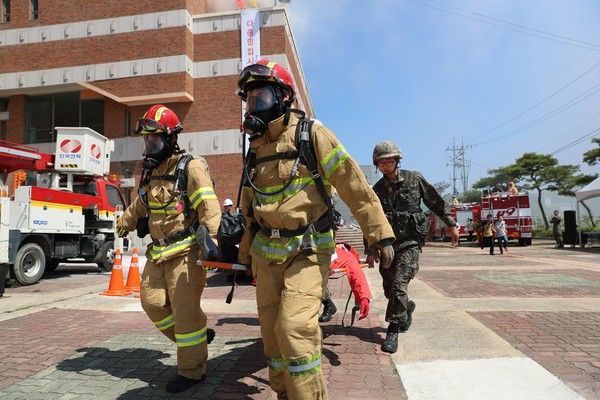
column 461, row 213
column 515, row 210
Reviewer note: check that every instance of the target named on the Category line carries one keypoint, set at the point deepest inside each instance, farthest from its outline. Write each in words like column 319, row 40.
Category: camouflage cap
column 386, row 149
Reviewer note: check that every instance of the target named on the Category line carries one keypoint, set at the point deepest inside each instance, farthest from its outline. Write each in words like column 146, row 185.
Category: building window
column 92, row 114
column 34, row 9
column 128, row 128
column 39, row 119
column 5, row 10
column 44, row 113
column 3, row 117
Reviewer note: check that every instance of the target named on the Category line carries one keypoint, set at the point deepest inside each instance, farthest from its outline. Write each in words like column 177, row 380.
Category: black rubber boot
column 328, row 310
column 390, row 344
column 410, row 308
column 181, row 383
column 210, row 335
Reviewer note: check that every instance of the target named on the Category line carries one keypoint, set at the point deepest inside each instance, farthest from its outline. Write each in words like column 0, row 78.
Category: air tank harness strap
column 179, row 236
column 322, row 225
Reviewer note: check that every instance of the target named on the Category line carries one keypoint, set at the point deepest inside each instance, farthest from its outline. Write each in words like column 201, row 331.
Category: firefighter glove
column 383, row 252
column 364, row 308
column 121, row 232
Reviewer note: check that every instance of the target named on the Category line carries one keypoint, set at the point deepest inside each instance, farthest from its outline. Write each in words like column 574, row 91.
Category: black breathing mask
column 156, row 149
column 263, row 104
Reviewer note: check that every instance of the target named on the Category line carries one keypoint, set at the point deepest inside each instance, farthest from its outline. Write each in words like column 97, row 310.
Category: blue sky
column 504, row 77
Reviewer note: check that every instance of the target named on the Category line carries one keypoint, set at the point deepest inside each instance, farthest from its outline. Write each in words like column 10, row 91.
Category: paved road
column 524, row 325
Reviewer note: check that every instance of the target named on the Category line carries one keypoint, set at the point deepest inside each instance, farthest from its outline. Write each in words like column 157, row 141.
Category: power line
column 537, row 104
column 593, row 133
column 546, row 116
column 569, row 132
column 525, row 30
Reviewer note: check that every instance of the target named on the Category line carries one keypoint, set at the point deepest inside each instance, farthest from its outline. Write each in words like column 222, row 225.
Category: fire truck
column 59, row 206
column 461, row 213
column 515, row 210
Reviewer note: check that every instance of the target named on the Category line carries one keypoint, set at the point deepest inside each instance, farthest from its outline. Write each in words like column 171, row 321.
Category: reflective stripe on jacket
column 171, row 220
column 302, row 203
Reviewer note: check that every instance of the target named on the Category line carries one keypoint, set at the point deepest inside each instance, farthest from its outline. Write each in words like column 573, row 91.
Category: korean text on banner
column 250, row 37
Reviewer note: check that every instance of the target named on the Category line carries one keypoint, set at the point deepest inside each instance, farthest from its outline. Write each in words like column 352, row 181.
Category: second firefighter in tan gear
column 289, row 243
column 172, row 283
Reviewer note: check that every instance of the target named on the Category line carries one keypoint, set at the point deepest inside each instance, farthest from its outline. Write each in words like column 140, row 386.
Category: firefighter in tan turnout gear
column 290, row 240
column 176, row 216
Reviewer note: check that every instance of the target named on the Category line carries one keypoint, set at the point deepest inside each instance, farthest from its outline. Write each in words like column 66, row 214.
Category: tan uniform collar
column 164, row 167
column 276, row 127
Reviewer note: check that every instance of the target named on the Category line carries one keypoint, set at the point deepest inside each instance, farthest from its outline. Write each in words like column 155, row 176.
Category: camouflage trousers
column 395, row 282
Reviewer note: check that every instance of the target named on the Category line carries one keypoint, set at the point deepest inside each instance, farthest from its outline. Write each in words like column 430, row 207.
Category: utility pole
column 458, row 163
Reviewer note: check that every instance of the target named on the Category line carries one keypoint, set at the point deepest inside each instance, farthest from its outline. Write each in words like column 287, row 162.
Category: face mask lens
column 153, row 144
column 255, row 71
column 148, row 125
column 260, row 98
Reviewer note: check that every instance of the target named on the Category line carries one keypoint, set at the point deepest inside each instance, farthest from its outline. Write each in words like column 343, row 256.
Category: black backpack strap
column 303, row 133
column 279, row 156
column 181, row 182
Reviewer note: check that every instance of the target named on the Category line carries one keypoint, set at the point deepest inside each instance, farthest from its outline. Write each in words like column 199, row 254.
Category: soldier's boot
column 328, row 310
column 390, row 344
column 410, row 308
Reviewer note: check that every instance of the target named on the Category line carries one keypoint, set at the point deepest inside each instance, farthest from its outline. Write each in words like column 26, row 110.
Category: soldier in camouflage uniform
column 401, row 192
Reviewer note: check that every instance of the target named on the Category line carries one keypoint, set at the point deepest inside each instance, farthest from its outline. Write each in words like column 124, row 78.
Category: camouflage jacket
column 401, row 201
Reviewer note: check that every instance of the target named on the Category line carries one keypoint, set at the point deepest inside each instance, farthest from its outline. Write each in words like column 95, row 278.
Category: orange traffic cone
column 133, row 278
column 115, row 287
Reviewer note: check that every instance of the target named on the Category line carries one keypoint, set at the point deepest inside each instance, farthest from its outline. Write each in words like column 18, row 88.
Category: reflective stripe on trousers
column 170, row 295
column 289, row 296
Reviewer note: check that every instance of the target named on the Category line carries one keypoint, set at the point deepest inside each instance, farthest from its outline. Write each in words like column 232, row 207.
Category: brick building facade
column 113, row 59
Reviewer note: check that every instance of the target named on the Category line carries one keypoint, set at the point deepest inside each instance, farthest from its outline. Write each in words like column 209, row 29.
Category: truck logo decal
column 70, row 146
column 507, row 212
column 40, row 222
column 95, row 151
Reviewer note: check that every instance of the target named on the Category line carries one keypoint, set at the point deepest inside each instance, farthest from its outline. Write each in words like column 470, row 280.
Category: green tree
column 471, row 196
column 592, row 157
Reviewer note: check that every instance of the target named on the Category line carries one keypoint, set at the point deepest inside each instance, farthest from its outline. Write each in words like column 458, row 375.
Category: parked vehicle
column 515, row 209
column 59, row 207
column 461, row 213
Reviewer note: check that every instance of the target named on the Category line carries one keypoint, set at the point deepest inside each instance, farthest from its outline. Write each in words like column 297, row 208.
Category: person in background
column 512, row 189
column 556, row 229
column 179, row 224
column 501, row 234
column 470, row 227
column 289, row 240
column 457, row 230
column 401, row 193
column 488, row 232
column 227, row 205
